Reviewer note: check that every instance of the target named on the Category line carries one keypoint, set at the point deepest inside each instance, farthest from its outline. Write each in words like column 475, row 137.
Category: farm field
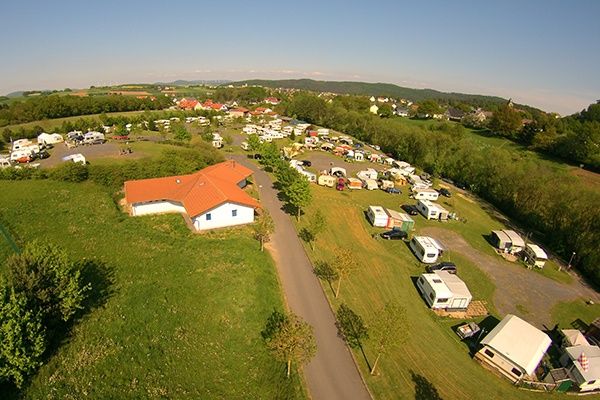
column 183, row 312
column 433, row 358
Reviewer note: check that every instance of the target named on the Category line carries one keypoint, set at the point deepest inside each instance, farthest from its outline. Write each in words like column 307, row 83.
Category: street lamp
column 570, row 261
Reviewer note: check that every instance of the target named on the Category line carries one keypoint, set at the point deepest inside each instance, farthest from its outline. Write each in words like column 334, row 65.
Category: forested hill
column 374, row 89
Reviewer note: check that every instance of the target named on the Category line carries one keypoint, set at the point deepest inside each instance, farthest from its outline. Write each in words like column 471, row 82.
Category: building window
column 488, row 353
column 516, row 372
column 234, row 213
column 208, row 217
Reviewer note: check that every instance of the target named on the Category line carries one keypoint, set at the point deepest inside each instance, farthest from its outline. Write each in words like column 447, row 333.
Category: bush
column 70, row 172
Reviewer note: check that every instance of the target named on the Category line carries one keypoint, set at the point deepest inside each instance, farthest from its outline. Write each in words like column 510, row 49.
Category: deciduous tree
column 298, row 194
column 345, row 264
column 263, row 228
column 388, row 329
column 289, row 339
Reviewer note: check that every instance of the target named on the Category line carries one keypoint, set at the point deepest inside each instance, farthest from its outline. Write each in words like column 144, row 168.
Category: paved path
column 516, row 285
column 332, row 373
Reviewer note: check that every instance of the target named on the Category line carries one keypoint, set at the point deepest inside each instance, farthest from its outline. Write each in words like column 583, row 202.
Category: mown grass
column 387, row 269
column 573, row 314
column 184, row 311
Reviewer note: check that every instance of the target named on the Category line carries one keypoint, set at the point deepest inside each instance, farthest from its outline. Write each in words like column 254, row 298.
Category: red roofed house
column 211, row 198
column 272, row 100
column 239, row 112
column 218, row 107
column 187, row 104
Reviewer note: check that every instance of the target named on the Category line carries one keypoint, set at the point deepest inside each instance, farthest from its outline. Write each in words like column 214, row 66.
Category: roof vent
column 178, row 181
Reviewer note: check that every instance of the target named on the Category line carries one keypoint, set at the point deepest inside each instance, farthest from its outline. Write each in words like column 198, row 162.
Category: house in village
column 210, row 198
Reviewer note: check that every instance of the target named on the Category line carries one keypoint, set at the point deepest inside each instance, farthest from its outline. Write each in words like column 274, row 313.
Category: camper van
column 442, row 290
column 93, row 138
column 426, row 249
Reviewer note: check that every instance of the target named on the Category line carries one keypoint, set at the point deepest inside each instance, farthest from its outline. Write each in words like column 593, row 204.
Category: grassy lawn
column 433, row 353
column 573, row 314
column 184, row 313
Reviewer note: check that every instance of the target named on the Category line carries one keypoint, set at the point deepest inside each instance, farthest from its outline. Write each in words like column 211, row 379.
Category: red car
column 340, row 184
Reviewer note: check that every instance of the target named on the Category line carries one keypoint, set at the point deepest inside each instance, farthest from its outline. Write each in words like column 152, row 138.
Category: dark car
column 42, row 154
column 393, row 190
column 394, row 234
column 410, row 209
column 445, row 192
column 443, row 266
column 306, row 163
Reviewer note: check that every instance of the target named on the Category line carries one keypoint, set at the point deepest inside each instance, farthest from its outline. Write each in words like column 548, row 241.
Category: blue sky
column 544, row 53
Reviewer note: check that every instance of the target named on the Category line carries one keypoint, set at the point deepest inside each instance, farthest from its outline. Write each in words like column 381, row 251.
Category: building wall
column 157, row 207
column 221, row 216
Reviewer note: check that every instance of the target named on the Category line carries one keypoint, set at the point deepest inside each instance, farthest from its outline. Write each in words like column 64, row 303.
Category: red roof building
column 212, row 197
column 187, row 104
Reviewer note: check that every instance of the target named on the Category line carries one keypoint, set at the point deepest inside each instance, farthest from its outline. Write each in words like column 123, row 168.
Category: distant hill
column 181, row 82
column 374, row 89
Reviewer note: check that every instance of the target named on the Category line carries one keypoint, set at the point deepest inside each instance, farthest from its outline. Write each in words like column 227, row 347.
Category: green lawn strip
column 185, row 313
column 386, row 273
column 576, row 314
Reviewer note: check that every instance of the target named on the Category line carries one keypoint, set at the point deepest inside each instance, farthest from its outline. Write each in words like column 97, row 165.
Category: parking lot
column 90, row 152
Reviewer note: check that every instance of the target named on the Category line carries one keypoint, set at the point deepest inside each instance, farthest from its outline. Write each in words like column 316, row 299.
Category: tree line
column 575, row 138
column 556, row 206
column 55, row 106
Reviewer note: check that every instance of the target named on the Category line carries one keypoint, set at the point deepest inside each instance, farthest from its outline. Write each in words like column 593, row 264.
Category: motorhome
column 93, row 138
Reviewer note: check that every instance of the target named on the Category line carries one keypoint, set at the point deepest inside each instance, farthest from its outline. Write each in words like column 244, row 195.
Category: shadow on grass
column 284, row 388
column 424, row 390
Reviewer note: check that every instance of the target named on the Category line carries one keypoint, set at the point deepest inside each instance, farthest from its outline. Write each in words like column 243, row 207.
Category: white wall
column 158, row 207
column 221, row 216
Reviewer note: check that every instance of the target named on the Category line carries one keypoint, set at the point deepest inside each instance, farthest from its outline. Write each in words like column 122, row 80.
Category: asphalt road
column 332, row 374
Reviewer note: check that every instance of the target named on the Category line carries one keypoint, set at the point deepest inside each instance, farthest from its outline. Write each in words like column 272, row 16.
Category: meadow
column 182, row 312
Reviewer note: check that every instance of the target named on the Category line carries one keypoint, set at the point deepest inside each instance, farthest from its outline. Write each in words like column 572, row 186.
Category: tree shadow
column 424, row 389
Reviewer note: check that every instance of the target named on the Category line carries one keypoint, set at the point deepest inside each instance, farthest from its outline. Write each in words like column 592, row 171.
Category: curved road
column 332, row 374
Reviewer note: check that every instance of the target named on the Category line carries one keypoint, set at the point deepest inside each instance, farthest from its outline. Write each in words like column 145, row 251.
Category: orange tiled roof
column 198, row 192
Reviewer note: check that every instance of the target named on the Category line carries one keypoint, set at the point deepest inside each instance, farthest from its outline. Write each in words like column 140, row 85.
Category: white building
column 443, row 290
column 210, row 198
column 514, row 348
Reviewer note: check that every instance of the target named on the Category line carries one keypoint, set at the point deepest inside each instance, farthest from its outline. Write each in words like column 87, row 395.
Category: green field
column 433, row 354
column 184, row 311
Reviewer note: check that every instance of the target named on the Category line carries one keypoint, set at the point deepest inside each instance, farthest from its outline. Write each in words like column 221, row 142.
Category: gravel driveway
column 516, row 285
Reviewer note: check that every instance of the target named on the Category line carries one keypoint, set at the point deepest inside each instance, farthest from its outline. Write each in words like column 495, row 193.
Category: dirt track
column 516, row 285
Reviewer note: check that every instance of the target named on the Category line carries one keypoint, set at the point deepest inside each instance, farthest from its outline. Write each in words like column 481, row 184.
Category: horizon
column 542, row 53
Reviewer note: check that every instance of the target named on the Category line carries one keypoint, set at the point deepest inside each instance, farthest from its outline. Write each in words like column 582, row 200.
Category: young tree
column 22, row 337
column 290, row 339
column 51, row 282
column 388, row 330
column 316, row 225
column 180, row 132
column 254, row 143
column 269, row 155
column 263, row 228
column 345, row 264
column 324, row 270
column 228, row 139
column 298, row 194
column 505, row 122
column 351, row 326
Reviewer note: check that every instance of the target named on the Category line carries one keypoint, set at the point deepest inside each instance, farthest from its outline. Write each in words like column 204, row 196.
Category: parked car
column 443, row 266
column 410, row 209
column 394, row 234
column 393, row 190
column 306, row 163
column 42, row 154
column 445, row 192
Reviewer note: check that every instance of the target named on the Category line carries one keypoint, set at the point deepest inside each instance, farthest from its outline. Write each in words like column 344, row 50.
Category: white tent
column 50, row 138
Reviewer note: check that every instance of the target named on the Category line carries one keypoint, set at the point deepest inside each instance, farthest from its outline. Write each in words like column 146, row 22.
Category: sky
column 542, row 53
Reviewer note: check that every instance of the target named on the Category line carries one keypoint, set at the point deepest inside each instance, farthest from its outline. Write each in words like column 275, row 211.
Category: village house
column 210, row 198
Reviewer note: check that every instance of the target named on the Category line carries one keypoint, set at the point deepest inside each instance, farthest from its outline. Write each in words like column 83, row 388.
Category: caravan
column 93, row 138
column 426, row 249
column 443, row 290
